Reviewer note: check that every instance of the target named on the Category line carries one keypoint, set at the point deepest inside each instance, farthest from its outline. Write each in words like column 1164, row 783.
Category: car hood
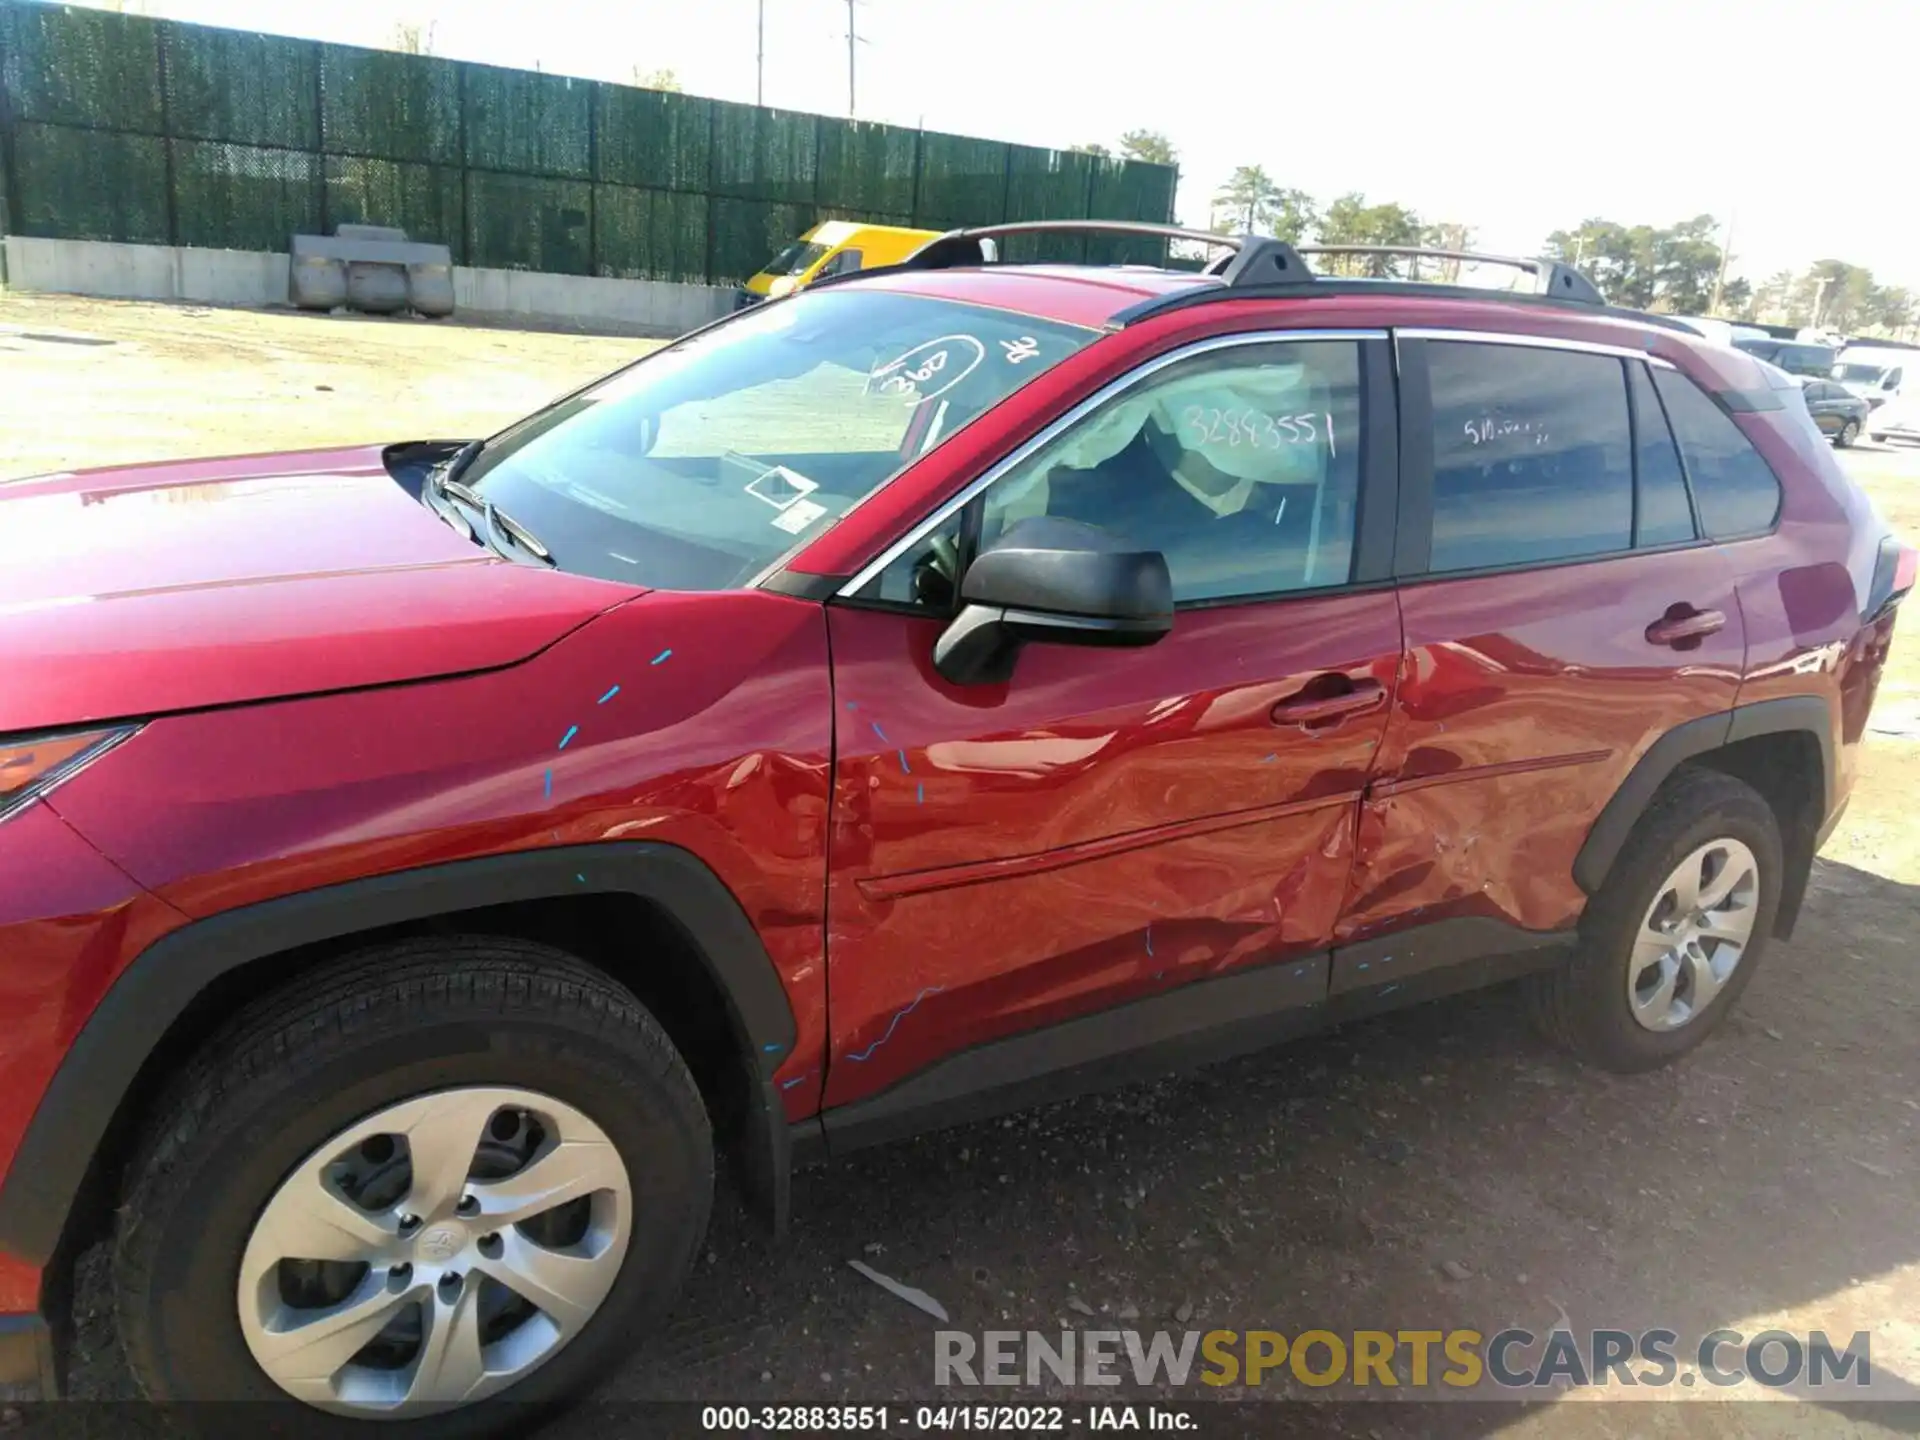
column 158, row 588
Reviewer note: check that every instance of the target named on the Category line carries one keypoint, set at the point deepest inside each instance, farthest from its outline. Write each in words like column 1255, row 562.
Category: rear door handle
column 1314, row 709
column 1689, row 624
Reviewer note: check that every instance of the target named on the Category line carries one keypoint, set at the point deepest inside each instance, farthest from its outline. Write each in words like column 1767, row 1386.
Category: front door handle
column 1311, row 707
column 1682, row 623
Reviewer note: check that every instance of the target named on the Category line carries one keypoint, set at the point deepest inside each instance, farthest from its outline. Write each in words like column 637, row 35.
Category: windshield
column 796, row 258
column 701, row 465
column 1859, row 374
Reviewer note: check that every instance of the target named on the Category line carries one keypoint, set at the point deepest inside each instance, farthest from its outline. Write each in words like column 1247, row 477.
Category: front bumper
column 26, row 1354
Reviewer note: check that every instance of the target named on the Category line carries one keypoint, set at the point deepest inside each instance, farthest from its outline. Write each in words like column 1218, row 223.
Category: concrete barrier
column 259, row 279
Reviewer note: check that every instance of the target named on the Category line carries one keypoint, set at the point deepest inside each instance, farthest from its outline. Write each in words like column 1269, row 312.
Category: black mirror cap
column 1063, row 567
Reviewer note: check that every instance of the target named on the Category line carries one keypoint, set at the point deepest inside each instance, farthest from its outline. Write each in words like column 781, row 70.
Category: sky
column 1517, row 117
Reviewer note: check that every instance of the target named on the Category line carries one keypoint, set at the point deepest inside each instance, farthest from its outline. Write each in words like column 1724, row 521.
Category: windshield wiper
column 503, row 532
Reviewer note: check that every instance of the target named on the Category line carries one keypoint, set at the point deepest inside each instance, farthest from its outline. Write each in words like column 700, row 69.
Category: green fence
column 118, row 127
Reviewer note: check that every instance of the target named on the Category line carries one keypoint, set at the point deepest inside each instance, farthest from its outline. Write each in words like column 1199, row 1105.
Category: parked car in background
column 1896, row 420
column 419, row 859
column 1840, row 414
column 833, row 247
column 1796, row 357
column 1875, row 373
column 1720, row 332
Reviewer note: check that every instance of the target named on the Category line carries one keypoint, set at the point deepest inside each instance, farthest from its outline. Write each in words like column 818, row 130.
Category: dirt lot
column 1438, row 1168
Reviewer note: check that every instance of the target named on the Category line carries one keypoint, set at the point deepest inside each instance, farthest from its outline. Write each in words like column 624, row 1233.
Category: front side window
column 699, row 466
column 1532, row 455
column 1734, row 487
column 1240, row 465
column 845, row 263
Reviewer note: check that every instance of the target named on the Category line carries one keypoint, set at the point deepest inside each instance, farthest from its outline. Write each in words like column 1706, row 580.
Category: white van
column 1876, row 374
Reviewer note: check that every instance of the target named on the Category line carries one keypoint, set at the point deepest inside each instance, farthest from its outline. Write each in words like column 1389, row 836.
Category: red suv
column 949, row 687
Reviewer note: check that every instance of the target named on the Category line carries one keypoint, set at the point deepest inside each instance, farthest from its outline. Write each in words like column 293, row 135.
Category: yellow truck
column 833, row 247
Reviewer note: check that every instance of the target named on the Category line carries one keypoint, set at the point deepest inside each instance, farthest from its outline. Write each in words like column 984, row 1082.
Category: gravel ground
column 1437, row 1168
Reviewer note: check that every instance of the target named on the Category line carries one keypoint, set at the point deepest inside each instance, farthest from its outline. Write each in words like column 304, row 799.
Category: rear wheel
column 442, row 1185
column 1849, row 433
column 1675, row 933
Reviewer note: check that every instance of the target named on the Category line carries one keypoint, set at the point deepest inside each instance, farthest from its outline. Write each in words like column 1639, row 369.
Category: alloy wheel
column 435, row 1252
column 1693, row 935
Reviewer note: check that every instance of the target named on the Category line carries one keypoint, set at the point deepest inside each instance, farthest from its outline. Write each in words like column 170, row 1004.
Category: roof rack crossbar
column 1550, row 277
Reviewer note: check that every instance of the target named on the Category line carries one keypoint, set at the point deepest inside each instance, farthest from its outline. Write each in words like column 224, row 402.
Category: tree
column 1447, row 235
column 1092, row 147
column 1252, row 203
column 1350, row 220
column 1894, row 308
column 1148, row 145
column 661, row 79
column 1737, row 298
column 411, row 38
column 1686, row 258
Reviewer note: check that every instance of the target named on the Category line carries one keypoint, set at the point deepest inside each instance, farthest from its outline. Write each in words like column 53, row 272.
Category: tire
column 1849, row 433
column 297, row 1072
column 1584, row 1005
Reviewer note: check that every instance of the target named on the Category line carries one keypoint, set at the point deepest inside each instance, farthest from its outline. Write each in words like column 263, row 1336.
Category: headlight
column 31, row 765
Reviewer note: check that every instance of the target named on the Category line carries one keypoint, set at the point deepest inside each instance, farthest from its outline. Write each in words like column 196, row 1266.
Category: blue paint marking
column 920, row 794
column 1363, row 964
column 663, row 655
column 905, row 769
column 1149, row 939
column 770, row 1049
column 878, row 731
column 1387, row 961
column 549, row 784
column 1269, row 759
column 608, row 696
column 572, row 730
column 853, row 704
column 867, row 1053
column 1388, row 989
column 789, row 1084
column 581, row 878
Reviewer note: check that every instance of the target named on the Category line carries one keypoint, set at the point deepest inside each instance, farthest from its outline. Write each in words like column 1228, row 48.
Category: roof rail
column 1550, row 277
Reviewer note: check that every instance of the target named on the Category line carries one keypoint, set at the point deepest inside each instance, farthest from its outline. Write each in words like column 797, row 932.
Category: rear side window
column 1532, row 455
column 1734, row 488
column 1664, row 516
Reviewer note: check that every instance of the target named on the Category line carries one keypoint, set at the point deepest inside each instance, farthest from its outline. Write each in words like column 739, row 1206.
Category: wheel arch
column 203, row 967
column 1784, row 748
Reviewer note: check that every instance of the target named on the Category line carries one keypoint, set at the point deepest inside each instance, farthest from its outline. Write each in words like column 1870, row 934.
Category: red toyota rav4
column 946, row 688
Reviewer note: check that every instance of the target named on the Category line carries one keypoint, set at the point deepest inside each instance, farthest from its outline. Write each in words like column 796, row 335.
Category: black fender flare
column 105, row 1060
column 1810, row 713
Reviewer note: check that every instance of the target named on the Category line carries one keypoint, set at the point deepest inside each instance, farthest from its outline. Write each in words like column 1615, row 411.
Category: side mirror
column 1056, row 582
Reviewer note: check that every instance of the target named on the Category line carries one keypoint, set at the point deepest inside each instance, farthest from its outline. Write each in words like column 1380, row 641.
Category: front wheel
column 442, row 1185
column 1676, row 931
column 1849, row 433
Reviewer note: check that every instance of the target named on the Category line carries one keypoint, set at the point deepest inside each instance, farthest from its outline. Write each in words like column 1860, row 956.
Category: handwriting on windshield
column 1204, row 427
column 930, row 368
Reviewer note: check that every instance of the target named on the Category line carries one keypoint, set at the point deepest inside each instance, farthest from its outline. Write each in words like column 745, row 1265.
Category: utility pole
column 760, row 58
column 850, row 44
column 1720, row 280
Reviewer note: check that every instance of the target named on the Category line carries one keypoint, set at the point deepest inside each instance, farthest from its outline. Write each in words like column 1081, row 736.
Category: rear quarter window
column 1734, row 489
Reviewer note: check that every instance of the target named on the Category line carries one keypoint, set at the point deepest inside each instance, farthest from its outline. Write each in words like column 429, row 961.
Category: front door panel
column 1104, row 826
